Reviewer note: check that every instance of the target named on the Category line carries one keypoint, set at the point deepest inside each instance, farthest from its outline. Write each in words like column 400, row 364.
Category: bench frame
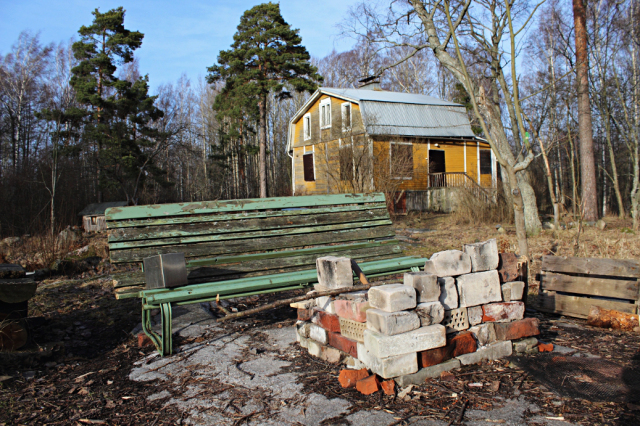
column 145, row 217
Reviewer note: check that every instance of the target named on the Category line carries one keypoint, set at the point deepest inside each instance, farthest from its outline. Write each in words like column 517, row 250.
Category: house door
column 436, row 168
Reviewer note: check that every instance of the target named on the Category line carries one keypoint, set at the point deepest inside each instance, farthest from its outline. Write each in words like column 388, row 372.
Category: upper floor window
column 346, row 116
column 325, row 113
column 306, row 124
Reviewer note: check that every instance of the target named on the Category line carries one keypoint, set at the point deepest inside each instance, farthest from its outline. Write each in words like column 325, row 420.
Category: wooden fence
column 570, row 285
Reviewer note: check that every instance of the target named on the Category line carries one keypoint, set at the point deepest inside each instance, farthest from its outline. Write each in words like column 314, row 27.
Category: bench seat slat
column 133, row 235
column 207, row 207
column 239, row 268
column 254, row 244
column 224, row 217
column 156, row 296
column 255, row 233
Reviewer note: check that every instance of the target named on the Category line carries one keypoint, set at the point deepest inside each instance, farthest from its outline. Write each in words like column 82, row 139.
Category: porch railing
column 461, row 180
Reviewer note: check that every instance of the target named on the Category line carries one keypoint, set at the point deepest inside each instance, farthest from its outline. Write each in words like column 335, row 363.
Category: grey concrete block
column 389, row 367
column 427, row 372
column 353, row 363
column 326, row 304
column 392, row 323
column 426, row 285
column 430, row 313
column 484, row 255
column 318, row 334
column 479, row 288
column 485, row 333
column 422, row 339
column 448, row 292
column 449, row 263
column 512, row 291
column 392, row 297
column 493, row 351
column 303, row 328
column 474, row 314
column 334, row 272
column 304, row 342
column 525, row 345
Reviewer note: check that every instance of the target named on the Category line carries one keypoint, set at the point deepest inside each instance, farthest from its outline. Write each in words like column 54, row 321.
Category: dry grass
column 472, row 210
column 443, row 232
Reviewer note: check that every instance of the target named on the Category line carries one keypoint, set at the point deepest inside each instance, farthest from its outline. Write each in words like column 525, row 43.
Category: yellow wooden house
column 416, row 147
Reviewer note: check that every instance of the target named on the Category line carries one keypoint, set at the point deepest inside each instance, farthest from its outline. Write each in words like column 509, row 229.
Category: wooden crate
column 571, row 285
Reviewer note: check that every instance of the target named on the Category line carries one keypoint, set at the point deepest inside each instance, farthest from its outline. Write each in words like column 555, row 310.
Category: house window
column 485, row 161
column 401, row 160
column 325, row 113
column 309, row 169
column 346, row 117
column 306, row 124
column 346, row 162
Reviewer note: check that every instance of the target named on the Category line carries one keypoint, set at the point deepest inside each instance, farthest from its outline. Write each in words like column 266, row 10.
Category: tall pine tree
column 266, row 56
column 119, row 113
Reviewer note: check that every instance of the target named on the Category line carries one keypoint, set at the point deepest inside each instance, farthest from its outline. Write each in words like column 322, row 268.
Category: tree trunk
column 614, row 170
column 587, row 160
column 262, row 141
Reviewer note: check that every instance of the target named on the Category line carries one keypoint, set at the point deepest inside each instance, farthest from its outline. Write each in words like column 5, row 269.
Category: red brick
column 329, row 322
column 507, row 311
column 338, row 341
column 304, row 314
column 348, row 378
column 389, row 387
column 461, row 344
column 144, row 340
column 368, row 385
column 517, row 329
column 545, row 347
column 349, row 309
column 508, row 267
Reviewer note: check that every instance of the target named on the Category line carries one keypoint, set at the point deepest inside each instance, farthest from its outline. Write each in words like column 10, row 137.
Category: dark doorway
column 436, row 168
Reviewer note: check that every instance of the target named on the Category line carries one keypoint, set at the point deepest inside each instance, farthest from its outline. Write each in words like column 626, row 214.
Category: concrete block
column 318, row 334
column 326, row 304
column 484, row 255
column 302, row 328
column 426, row 285
column 474, row 314
column 479, row 288
column 426, row 373
column 353, row 363
column 334, row 272
column 430, row 313
column 392, row 323
column 356, row 296
column 326, row 353
column 392, row 297
column 512, row 291
column 449, row 263
column 485, row 333
column 421, row 339
column 503, row 312
column 526, row 345
column 491, row 352
column 314, row 348
column 304, row 342
column 388, row 367
column 448, row 292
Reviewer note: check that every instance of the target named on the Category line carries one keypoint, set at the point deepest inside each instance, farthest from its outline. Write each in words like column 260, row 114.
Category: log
column 608, row 318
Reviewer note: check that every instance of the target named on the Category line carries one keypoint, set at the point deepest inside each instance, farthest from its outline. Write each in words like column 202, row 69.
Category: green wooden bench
column 237, row 248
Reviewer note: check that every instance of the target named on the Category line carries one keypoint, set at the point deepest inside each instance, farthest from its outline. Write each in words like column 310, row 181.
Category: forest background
column 49, row 168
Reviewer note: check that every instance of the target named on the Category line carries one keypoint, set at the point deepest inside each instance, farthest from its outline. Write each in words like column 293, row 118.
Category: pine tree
column 119, row 113
column 266, row 56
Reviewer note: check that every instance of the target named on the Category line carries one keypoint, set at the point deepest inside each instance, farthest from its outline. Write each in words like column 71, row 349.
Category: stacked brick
column 464, row 308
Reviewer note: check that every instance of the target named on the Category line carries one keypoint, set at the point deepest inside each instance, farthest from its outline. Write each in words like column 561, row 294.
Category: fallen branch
column 366, row 285
column 461, row 415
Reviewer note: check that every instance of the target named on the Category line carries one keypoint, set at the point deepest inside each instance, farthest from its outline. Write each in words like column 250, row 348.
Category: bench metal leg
column 163, row 342
column 167, row 341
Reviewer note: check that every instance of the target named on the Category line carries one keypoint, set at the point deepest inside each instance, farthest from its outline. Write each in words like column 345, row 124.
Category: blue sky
column 180, row 36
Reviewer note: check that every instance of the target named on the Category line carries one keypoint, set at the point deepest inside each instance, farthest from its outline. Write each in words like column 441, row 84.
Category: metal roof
column 358, row 95
column 97, row 209
column 400, row 119
column 398, row 114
